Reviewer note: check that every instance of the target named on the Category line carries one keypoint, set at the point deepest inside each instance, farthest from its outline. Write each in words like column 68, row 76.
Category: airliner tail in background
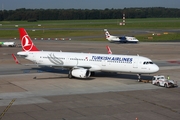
column 108, row 49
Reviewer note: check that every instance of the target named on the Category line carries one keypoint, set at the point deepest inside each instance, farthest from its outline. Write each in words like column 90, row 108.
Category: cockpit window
column 147, row 62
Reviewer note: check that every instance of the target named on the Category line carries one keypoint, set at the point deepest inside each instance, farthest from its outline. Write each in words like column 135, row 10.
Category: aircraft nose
column 155, row 68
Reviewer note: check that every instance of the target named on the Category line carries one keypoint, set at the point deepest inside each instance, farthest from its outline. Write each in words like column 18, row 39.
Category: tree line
column 83, row 14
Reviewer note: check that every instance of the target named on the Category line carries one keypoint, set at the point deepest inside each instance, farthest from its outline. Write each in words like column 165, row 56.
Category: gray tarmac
column 105, row 96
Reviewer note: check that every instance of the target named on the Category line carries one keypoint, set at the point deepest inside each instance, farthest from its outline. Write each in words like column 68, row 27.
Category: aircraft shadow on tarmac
column 51, row 70
column 122, row 75
column 97, row 74
column 44, row 78
column 44, row 69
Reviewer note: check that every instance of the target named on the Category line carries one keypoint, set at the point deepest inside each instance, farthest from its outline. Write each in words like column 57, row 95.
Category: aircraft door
column 67, row 60
column 34, row 57
column 40, row 59
column 135, row 62
column 103, row 62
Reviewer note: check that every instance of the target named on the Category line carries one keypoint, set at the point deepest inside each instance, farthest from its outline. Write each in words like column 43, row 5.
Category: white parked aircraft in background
column 122, row 39
column 8, row 44
column 81, row 65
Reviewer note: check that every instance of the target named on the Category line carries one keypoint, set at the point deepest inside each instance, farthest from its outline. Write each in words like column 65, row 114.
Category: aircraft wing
column 66, row 66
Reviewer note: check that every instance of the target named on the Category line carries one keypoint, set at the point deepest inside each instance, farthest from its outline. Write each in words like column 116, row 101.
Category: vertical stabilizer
column 107, row 34
column 26, row 42
column 109, row 50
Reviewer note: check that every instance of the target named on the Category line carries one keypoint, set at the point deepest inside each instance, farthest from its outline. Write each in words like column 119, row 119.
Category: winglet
column 109, row 50
column 15, row 59
column 26, row 42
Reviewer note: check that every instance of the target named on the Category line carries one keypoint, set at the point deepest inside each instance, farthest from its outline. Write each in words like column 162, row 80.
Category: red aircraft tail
column 109, row 50
column 26, row 42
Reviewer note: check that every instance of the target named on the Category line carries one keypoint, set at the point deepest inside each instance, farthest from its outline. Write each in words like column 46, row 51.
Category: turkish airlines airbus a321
column 81, row 65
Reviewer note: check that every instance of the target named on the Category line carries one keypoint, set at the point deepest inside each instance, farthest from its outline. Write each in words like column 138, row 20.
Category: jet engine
column 81, row 73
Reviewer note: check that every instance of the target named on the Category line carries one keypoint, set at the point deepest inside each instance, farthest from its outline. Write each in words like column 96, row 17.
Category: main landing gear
column 92, row 73
column 70, row 74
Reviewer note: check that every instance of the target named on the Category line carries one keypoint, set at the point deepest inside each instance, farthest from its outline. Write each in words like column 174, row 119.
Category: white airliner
column 81, row 65
column 9, row 44
column 123, row 39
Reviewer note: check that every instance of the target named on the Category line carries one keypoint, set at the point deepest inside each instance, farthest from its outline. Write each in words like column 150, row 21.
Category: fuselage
column 122, row 39
column 93, row 62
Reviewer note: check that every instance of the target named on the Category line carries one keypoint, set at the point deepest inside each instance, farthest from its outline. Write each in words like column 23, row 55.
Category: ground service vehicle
column 160, row 80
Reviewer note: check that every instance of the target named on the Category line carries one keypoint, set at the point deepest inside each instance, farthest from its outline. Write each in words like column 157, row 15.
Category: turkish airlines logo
column 26, row 43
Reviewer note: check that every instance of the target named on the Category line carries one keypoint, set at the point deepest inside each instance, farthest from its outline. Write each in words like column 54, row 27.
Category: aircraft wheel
column 92, row 73
column 70, row 74
column 139, row 80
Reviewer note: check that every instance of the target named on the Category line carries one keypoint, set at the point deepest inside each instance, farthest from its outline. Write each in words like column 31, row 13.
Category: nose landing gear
column 139, row 77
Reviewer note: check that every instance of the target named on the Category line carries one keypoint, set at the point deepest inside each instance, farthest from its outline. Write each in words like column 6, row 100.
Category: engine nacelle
column 81, row 73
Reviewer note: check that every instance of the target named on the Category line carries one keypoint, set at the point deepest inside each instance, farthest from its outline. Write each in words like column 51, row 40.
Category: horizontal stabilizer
column 15, row 59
